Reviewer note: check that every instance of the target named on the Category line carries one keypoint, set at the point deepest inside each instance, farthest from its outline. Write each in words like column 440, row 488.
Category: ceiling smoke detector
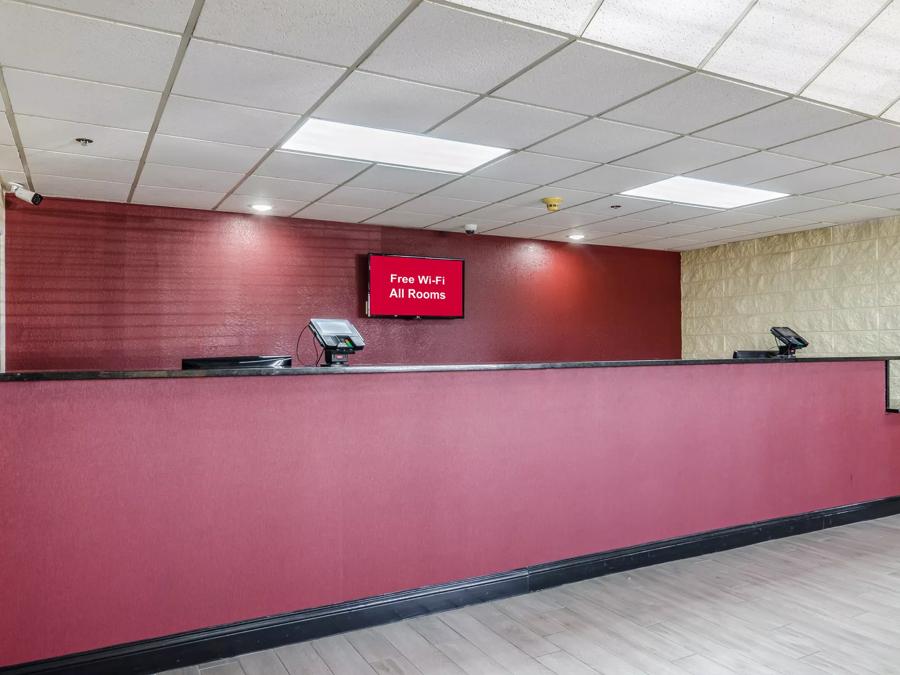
column 552, row 203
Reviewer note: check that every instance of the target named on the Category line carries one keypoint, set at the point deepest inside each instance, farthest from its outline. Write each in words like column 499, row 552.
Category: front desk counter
column 142, row 504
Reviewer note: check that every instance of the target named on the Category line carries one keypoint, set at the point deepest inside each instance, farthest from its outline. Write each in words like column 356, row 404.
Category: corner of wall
column 2, row 278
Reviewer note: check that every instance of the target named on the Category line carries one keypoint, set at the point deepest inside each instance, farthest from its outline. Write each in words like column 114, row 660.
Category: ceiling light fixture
column 389, row 147
column 576, row 237
column 703, row 193
column 261, row 208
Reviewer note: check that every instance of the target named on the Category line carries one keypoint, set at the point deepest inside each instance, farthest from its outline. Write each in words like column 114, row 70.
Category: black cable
column 297, row 348
column 319, row 354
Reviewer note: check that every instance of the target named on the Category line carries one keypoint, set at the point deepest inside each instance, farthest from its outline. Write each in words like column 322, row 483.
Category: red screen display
column 410, row 286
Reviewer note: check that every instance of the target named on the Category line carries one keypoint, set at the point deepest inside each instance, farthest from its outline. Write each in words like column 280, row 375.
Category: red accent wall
column 140, row 508
column 95, row 285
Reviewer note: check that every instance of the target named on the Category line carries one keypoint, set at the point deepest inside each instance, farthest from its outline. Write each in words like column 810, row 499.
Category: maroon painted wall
column 94, row 285
column 138, row 508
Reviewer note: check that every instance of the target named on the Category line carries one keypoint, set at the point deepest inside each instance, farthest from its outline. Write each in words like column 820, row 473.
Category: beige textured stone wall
column 837, row 286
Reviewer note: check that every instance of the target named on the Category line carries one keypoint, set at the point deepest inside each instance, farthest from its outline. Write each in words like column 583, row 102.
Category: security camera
column 471, row 228
column 26, row 195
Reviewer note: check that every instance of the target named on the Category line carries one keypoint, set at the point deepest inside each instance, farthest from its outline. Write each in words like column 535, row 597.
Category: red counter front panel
column 410, row 286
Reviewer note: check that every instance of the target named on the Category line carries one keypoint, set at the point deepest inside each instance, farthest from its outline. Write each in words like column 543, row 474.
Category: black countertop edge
column 39, row 376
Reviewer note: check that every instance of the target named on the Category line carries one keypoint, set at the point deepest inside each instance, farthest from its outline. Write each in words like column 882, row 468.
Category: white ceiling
column 189, row 101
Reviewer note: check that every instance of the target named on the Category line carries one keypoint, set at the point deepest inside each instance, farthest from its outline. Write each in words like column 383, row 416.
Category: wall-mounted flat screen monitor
column 414, row 286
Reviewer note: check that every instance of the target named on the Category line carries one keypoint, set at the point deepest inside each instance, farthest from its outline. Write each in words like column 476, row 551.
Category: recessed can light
column 261, row 208
column 576, row 237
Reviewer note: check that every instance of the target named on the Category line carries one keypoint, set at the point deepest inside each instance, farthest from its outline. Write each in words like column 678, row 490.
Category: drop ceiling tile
column 753, row 168
column 78, row 188
column 567, row 16
column 864, row 76
column 80, row 101
column 728, row 218
column 82, row 166
column 886, row 162
column 677, row 30
column 365, row 198
column 785, row 206
column 601, row 141
column 454, row 48
column 779, row 124
column 242, row 204
column 681, row 229
column 611, row 179
column 163, row 175
column 414, row 181
column 531, row 167
column 630, row 224
column 783, row 43
column 617, row 206
column 9, row 159
column 888, row 202
column 279, row 188
column 673, row 244
column 13, row 177
column 624, row 239
column 617, row 226
column 338, row 213
column 401, row 218
column 388, row 103
column 768, row 225
column 841, row 144
column 459, row 224
column 588, row 80
column 170, row 15
column 6, row 137
column 504, row 124
column 528, row 230
column 692, row 103
column 210, row 121
column 322, row 30
column 683, row 155
column 252, row 78
column 41, row 133
column 77, row 46
column 812, row 180
column 482, row 189
column 507, row 213
column 185, row 199
column 298, row 166
column 846, row 213
column 441, row 206
column 202, row 154
column 856, row 192
column 569, row 197
column 560, row 220
column 893, row 113
column 671, row 213
column 702, row 239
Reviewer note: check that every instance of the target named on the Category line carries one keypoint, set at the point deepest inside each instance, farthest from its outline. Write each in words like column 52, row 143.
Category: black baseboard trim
column 200, row 646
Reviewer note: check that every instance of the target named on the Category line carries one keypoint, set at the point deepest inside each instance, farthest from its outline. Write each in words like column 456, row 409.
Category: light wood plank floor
column 826, row 602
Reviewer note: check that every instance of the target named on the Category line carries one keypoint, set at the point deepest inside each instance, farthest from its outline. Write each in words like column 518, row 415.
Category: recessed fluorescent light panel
column 389, row 147
column 703, row 193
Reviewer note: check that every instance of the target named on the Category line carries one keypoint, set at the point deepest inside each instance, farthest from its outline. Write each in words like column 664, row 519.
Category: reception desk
column 146, row 504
